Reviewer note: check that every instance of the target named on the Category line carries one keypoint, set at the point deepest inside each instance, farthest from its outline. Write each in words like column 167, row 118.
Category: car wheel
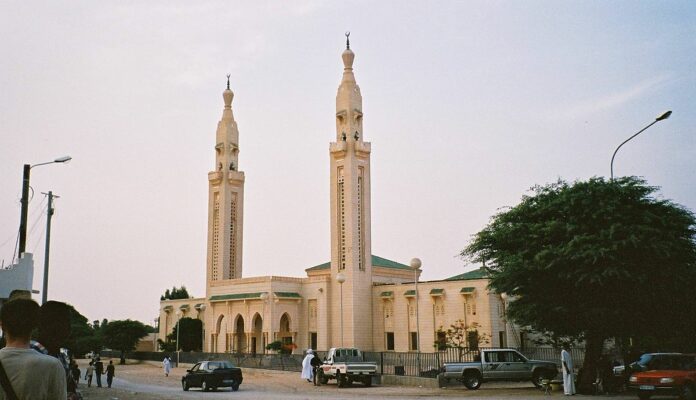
column 537, row 377
column 687, row 392
column 472, row 380
column 204, row 386
column 184, row 385
column 368, row 381
column 341, row 380
column 235, row 387
column 643, row 396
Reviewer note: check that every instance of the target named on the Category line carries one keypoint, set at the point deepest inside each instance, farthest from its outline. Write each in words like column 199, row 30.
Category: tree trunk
column 588, row 373
column 123, row 358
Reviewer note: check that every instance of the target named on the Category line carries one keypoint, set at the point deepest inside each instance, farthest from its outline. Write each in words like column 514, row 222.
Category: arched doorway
column 220, row 339
column 257, row 343
column 240, row 344
column 285, row 335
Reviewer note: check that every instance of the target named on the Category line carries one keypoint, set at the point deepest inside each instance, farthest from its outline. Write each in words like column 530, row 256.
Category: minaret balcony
column 215, row 177
column 337, row 147
column 363, row 148
column 235, row 176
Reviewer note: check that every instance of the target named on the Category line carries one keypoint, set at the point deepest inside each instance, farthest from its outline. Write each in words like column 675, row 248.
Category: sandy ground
column 146, row 381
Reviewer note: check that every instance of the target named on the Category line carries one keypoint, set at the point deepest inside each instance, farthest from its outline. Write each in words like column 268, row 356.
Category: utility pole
column 49, row 214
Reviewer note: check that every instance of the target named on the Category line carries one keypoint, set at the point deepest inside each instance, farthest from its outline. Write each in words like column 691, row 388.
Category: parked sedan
column 210, row 375
column 673, row 374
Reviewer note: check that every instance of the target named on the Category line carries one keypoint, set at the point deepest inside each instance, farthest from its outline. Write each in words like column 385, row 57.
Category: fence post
column 381, row 363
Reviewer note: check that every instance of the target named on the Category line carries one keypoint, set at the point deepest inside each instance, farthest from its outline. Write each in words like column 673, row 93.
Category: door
column 515, row 366
column 493, row 362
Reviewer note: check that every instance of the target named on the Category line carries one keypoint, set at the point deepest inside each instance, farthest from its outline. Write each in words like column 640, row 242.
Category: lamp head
column 340, row 278
column 264, row 296
column 63, row 159
column 416, row 263
column 664, row 115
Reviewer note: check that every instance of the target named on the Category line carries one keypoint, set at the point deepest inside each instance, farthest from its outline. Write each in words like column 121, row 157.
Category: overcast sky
column 467, row 105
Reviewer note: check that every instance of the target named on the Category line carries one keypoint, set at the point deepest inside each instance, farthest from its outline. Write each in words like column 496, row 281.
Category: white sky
column 467, row 105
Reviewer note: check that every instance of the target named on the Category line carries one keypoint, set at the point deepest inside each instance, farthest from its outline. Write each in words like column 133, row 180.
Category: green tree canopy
column 191, row 335
column 594, row 260
column 123, row 335
column 175, row 293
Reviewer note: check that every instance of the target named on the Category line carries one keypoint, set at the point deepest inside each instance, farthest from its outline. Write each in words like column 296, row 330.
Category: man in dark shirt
column 110, row 372
column 316, row 363
column 98, row 370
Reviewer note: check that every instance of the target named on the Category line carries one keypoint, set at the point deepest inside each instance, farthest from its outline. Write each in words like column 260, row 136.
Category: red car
column 674, row 374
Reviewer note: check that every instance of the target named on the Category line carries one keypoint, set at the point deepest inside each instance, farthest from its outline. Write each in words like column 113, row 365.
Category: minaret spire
column 348, row 40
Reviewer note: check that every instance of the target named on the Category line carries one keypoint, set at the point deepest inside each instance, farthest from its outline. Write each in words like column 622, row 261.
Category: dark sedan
column 210, row 375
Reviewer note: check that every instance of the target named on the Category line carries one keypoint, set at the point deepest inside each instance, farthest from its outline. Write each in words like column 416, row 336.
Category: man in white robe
column 568, row 374
column 307, row 372
column 166, row 365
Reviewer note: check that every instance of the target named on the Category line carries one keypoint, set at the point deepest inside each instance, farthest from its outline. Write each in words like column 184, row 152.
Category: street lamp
column 416, row 264
column 660, row 117
column 263, row 297
column 178, row 320
column 25, row 201
column 340, row 278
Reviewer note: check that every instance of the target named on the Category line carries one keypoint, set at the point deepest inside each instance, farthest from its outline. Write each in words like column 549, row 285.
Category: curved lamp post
column 25, row 201
column 178, row 320
column 416, row 264
column 660, row 117
column 340, row 278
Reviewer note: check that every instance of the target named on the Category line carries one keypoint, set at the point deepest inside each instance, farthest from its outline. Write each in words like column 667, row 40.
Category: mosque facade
column 357, row 299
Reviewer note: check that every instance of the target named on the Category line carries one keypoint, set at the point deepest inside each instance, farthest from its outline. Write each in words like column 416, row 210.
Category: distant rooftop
column 376, row 262
column 475, row 274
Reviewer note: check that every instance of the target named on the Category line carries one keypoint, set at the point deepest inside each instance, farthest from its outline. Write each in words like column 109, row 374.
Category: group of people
column 310, row 367
column 39, row 369
column 96, row 366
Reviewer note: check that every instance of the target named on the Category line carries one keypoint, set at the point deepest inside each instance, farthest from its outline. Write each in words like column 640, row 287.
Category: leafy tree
column 191, row 336
column 594, row 260
column 123, row 335
column 461, row 336
column 83, row 337
column 176, row 293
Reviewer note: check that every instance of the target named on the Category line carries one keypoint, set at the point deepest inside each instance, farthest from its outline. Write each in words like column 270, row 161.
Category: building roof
column 376, row 262
column 235, row 296
column 286, row 295
column 475, row 274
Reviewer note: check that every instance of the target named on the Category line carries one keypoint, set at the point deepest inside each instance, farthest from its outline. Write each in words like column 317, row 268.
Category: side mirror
column 188, row 370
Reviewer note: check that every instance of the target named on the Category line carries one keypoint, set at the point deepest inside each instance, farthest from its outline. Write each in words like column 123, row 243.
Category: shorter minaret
column 226, row 200
column 350, row 217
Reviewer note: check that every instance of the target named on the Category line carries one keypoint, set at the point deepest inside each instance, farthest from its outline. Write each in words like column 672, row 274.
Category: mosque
column 357, row 299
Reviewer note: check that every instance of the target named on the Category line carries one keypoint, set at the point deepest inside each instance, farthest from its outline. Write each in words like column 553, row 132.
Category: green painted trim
column 387, row 294
column 468, row 289
column 236, row 296
column 437, row 291
column 410, row 293
column 288, row 295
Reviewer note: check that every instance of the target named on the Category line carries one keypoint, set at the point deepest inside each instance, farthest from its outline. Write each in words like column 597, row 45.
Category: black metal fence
column 388, row 362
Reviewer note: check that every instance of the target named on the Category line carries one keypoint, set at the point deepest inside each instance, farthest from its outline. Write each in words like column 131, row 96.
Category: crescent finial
column 348, row 40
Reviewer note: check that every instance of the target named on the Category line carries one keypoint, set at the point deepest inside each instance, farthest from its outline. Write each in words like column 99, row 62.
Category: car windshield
column 667, row 362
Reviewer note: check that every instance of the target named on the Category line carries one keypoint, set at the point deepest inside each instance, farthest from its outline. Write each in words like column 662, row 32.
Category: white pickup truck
column 498, row 365
column 346, row 365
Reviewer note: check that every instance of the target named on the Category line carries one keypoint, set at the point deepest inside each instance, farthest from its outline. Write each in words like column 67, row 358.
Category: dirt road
column 146, row 381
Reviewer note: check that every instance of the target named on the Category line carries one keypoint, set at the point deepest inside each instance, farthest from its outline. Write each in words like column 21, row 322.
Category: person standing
column 89, row 373
column 307, row 366
column 25, row 372
column 166, row 365
column 568, row 374
column 110, row 372
column 98, row 370
column 316, row 367
column 54, row 331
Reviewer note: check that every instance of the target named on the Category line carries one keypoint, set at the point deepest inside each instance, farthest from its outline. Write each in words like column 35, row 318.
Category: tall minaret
column 350, row 216
column 225, row 201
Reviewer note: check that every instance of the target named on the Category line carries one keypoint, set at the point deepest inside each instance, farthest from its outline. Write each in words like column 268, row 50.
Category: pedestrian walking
column 307, row 366
column 89, row 373
column 98, row 370
column 568, row 373
column 167, row 365
column 110, row 372
column 316, row 367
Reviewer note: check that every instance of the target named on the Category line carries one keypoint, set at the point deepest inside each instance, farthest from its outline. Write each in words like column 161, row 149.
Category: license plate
column 646, row 387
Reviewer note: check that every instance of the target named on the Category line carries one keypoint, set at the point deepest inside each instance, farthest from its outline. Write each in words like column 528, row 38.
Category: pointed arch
column 220, row 335
column 240, row 345
column 257, row 343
